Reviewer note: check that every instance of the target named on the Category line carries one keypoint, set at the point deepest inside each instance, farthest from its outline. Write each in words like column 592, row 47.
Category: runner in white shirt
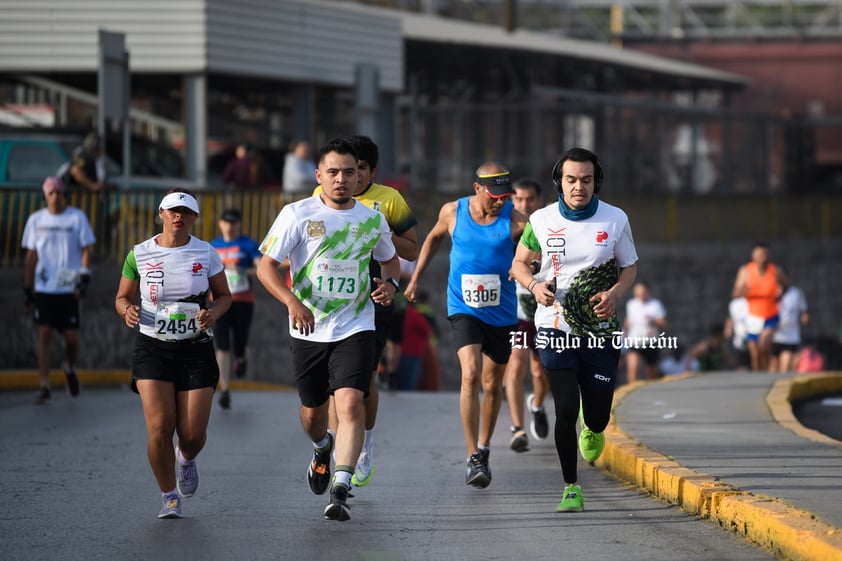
column 174, row 366
column 645, row 318
column 736, row 327
column 58, row 241
column 527, row 199
column 330, row 239
column 588, row 262
column 786, row 341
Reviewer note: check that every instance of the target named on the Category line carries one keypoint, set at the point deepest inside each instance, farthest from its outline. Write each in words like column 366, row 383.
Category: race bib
column 335, row 278
column 66, row 278
column 481, row 291
column 177, row 321
column 237, row 281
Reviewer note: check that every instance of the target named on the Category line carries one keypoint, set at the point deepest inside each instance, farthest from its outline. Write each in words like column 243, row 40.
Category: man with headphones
column 58, row 241
column 588, row 262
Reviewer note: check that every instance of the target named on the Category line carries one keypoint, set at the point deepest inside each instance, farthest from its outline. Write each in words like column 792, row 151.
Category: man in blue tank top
column 481, row 301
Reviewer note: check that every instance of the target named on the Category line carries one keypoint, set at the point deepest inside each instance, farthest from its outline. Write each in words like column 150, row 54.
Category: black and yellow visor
column 497, row 185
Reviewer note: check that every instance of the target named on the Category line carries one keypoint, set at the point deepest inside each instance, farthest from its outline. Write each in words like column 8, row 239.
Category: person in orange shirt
column 761, row 283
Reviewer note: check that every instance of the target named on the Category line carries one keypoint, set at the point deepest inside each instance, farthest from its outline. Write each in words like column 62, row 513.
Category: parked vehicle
column 27, row 156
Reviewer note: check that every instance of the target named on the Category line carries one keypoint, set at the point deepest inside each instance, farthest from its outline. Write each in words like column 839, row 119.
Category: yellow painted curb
column 780, row 528
column 784, row 392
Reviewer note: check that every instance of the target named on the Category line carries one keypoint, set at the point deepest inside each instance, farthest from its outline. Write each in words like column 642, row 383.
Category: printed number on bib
column 335, row 278
column 66, row 278
column 237, row 282
column 481, row 291
column 177, row 321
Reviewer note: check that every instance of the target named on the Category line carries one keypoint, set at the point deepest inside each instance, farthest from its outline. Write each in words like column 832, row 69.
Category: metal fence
column 648, row 144
column 121, row 219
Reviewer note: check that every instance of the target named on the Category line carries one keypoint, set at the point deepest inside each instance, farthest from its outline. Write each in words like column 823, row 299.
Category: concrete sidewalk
column 722, row 446
column 726, row 446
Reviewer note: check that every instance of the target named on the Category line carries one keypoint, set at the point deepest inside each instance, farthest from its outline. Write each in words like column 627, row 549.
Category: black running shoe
column 225, row 399
column 539, row 427
column 478, row 475
column 44, row 396
column 240, row 368
column 485, row 453
column 519, row 441
column 337, row 508
column 72, row 379
column 318, row 472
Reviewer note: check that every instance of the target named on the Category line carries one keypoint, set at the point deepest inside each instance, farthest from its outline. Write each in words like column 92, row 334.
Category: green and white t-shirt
column 584, row 256
column 329, row 252
column 173, row 286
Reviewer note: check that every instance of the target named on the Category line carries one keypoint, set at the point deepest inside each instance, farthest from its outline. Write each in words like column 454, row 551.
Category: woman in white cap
column 174, row 366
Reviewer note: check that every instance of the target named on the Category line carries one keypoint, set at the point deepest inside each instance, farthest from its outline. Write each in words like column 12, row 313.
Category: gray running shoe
column 187, row 478
column 170, row 506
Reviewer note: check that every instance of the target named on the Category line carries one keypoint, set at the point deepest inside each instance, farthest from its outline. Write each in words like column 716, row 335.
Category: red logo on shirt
column 601, row 236
column 197, row 267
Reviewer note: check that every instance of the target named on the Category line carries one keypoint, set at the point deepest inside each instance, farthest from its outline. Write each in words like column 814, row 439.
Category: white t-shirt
column 58, row 239
column 329, row 253
column 173, row 281
column 790, row 307
column 299, row 175
column 738, row 311
column 572, row 250
column 641, row 317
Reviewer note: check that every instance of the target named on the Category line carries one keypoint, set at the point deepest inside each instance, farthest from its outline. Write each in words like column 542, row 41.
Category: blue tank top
column 480, row 259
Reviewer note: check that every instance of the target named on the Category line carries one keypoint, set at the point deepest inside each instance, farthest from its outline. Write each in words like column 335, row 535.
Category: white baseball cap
column 175, row 200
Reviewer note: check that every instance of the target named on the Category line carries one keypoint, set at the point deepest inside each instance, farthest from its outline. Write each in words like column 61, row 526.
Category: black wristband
column 394, row 283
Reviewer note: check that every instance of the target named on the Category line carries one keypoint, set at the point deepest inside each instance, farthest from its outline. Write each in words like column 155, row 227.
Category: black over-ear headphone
column 579, row 155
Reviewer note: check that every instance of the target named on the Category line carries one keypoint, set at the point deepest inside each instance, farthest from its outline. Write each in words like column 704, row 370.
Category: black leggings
column 596, row 404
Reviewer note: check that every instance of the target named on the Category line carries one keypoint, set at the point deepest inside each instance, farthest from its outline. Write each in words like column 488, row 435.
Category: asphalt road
column 76, row 485
column 823, row 414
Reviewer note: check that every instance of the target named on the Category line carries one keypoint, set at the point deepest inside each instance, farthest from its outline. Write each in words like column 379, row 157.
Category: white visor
column 175, row 200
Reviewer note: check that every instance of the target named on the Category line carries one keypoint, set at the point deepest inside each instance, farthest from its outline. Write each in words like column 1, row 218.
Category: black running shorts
column 188, row 365
column 597, row 367
column 322, row 368
column 57, row 310
column 234, row 324
column 496, row 340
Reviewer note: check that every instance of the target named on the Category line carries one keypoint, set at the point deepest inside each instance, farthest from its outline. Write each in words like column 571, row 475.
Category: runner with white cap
column 174, row 365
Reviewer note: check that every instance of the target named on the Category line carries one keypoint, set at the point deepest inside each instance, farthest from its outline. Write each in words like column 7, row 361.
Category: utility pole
column 509, row 15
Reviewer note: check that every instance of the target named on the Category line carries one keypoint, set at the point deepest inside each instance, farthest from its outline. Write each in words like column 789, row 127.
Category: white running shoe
column 365, row 469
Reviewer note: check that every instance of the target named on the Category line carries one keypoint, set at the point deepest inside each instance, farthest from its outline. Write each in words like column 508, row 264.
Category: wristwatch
column 394, row 283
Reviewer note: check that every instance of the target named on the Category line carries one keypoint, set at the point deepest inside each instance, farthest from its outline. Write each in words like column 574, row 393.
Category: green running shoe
column 572, row 501
column 591, row 444
column 364, row 470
